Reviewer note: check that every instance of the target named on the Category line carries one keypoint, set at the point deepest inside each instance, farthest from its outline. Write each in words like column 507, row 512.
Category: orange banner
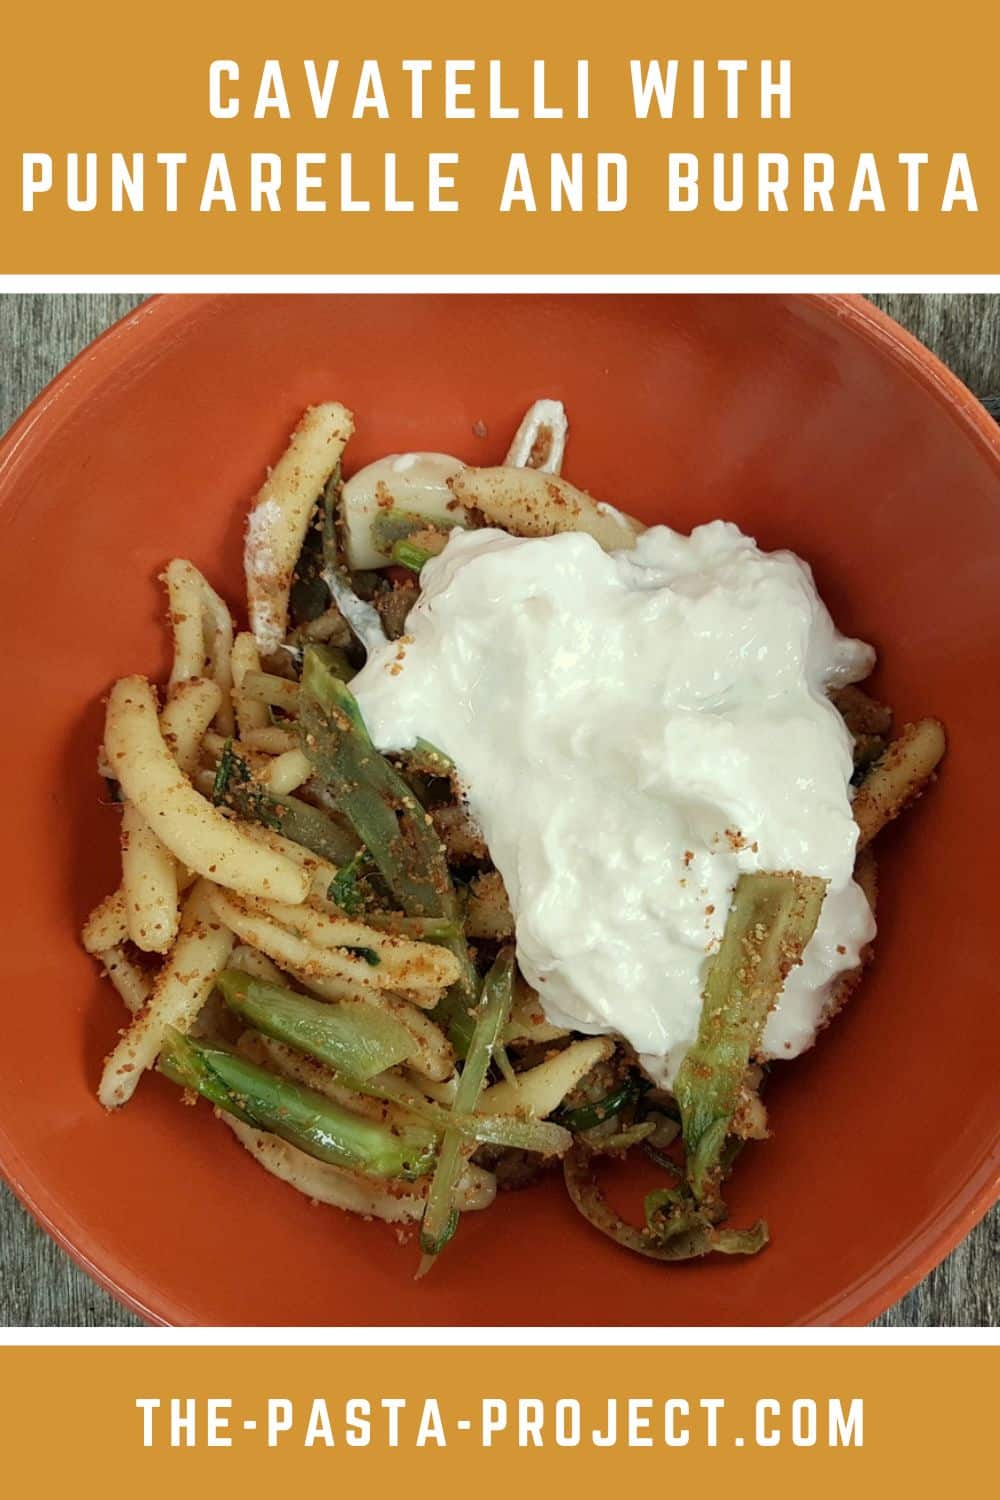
column 780, row 1421
column 237, row 137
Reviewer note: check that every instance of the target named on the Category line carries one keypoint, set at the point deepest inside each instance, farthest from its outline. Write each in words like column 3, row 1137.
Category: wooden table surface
column 39, row 1285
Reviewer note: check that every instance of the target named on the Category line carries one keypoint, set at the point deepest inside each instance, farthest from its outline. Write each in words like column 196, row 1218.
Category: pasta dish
column 510, row 836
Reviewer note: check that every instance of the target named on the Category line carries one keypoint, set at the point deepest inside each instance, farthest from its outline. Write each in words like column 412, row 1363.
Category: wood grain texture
column 39, row 1285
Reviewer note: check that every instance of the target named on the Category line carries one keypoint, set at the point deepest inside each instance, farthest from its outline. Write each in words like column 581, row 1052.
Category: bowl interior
column 812, row 424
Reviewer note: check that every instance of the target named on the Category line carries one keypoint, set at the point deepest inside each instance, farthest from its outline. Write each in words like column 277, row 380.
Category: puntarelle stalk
column 771, row 919
column 237, row 788
column 301, row 1116
column 440, row 1218
column 544, row 1137
column 358, row 1039
column 371, row 794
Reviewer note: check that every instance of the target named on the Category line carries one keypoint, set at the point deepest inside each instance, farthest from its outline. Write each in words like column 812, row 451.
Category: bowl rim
column 150, row 322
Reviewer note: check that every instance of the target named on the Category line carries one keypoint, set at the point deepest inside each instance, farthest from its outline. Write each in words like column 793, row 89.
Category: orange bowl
column 816, row 424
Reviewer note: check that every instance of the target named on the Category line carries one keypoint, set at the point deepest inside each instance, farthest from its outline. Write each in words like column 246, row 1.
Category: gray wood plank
column 963, row 331
column 39, row 1285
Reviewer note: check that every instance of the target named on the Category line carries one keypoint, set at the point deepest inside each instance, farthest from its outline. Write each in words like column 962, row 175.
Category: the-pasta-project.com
column 526, row 1423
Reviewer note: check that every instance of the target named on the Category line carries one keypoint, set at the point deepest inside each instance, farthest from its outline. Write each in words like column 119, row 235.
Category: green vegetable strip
column 356, row 1038
column 620, row 1141
column 429, row 759
column 235, row 787
column 543, row 1136
column 345, row 888
column 372, row 795
column 430, row 929
column 771, row 920
column 586, row 1116
column 392, row 526
column 310, row 827
column 225, row 772
column 455, row 1011
column 688, row 1236
column 336, row 661
column 440, row 1218
column 502, row 1059
column 409, row 555
column 306, row 1119
column 185, row 1062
